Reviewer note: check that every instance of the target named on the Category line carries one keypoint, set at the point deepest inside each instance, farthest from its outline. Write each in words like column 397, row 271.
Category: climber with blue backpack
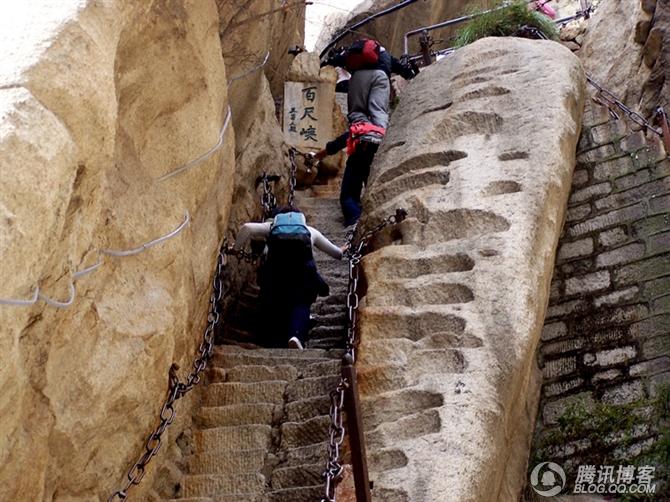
column 288, row 277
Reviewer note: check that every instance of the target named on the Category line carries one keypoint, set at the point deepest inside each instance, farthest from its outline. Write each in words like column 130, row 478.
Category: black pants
column 287, row 294
column 355, row 176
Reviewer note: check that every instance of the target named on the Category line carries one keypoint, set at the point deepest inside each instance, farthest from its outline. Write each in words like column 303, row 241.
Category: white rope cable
column 56, row 303
column 81, row 273
column 37, row 295
column 250, row 71
column 88, row 270
column 203, row 157
column 21, row 303
column 144, row 247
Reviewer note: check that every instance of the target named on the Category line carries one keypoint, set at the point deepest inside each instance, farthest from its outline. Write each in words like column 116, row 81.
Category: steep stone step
column 301, row 475
column 271, row 352
column 296, row 434
column 255, row 373
column 306, row 409
column 328, row 331
column 325, row 343
column 333, row 318
column 236, row 414
column 330, row 367
column 323, row 308
column 311, row 387
column 302, row 494
column 238, row 334
column 310, row 454
column 224, row 461
column 240, row 437
column 232, row 360
column 222, row 394
column 215, row 485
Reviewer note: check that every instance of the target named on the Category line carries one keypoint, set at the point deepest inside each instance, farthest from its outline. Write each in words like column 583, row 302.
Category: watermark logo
column 547, row 479
column 610, row 479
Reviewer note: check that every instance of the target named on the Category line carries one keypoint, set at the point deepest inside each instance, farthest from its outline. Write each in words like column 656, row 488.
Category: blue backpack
column 290, row 241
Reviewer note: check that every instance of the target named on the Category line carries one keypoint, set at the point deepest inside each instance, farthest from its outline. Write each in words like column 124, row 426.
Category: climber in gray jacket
column 368, row 103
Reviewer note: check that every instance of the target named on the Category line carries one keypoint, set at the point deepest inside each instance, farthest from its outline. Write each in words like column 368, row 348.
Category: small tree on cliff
column 505, row 21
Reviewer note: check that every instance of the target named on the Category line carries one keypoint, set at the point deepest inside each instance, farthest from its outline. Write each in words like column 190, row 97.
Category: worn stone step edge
column 222, row 461
column 214, row 485
column 297, row 475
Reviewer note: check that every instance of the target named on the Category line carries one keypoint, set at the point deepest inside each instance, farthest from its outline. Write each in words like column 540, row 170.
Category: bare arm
column 252, row 231
column 320, row 242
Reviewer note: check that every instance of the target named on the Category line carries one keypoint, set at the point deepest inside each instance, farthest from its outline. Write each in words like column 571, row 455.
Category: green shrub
column 505, row 22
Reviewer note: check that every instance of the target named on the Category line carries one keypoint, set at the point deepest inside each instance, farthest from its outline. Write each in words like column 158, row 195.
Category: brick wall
column 607, row 332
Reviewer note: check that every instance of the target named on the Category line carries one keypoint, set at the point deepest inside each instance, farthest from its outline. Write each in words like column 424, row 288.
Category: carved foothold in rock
column 649, row 6
column 652, row 47
column 642, row 31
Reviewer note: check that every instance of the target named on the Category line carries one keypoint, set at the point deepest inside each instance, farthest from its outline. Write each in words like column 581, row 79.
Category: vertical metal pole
column 356, row 435
column 425, row 48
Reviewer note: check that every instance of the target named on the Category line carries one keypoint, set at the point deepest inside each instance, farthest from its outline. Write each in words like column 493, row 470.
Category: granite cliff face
column 636, row 34
column 454, row 310
column 104, row 105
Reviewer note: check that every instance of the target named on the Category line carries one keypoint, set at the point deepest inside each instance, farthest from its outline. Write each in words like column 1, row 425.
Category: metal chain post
column 337, row 432
column 177, row 389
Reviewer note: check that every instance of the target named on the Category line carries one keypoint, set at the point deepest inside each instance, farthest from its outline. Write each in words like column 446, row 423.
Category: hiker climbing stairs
column 261, row 432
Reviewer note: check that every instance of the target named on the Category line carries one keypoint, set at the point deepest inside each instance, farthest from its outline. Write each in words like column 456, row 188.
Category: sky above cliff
column 318, row 14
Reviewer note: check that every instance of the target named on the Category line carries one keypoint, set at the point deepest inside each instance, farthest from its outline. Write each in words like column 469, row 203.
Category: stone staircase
column 260, row 433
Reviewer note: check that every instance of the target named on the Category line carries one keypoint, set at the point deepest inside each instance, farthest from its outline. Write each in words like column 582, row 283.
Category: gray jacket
column 368, row 97
column 368, row 100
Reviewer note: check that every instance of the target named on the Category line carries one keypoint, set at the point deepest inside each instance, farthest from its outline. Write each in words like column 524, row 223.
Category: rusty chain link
column 177, row 389
column 268, row 199
column 337, row 432
column 242, row 255
column 605, row 98
column 336, row 436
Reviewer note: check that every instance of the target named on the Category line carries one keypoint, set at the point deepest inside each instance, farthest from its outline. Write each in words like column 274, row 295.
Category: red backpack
column 362, row 54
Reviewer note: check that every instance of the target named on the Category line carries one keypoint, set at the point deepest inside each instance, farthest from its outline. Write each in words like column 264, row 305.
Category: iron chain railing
column 268, row 199
column 176, row 388
column 606, row 98
column 337, row 432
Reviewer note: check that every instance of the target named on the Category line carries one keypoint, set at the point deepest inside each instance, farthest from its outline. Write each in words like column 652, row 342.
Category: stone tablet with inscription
column 308, row 113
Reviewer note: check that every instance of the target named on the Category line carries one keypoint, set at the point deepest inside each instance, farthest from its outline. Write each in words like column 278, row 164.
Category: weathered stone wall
column 604, row 351
column 605, row 338
column 249, row 29
column 99, row 100
column 453, row 312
